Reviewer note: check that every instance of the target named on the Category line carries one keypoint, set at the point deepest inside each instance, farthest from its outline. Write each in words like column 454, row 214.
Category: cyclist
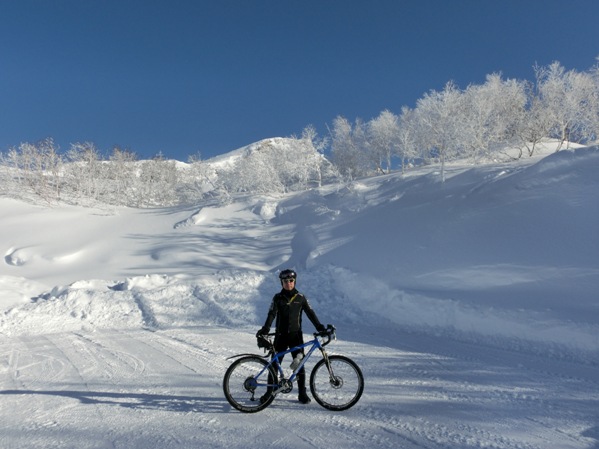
column 287, row 307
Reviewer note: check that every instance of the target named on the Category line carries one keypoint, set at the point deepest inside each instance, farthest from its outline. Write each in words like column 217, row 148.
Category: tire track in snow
column 107, row 359
column 58, row 388
column 29, row 362
column 184, row 347
column 113, row 362
column 506, row 387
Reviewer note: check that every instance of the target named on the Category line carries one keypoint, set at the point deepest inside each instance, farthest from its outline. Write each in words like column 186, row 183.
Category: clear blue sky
column 183, row 76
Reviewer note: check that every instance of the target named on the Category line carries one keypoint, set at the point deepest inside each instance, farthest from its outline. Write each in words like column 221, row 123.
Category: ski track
column 162, row 389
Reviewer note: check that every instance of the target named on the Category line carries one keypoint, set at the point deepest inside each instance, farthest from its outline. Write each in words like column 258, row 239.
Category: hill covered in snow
column 499, row 259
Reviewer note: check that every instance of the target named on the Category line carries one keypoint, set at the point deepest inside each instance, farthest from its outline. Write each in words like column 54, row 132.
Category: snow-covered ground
column 471, row 307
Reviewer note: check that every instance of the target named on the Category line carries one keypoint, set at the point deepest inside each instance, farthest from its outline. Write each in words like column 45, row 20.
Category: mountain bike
column 252, row 382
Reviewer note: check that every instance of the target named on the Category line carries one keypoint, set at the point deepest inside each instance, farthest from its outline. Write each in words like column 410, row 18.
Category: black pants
column 286, row 341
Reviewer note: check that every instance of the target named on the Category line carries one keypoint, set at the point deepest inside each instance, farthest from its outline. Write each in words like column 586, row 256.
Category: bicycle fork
column 327, row 362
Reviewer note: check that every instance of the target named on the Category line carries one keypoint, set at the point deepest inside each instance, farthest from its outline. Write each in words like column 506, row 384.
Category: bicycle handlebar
column 328, row 334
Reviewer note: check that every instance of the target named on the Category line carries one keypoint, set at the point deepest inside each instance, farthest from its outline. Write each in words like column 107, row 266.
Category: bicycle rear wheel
column 339, row 389
column 246, row 384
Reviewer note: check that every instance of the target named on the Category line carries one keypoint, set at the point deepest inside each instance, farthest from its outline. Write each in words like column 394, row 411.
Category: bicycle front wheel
column 338, row 388
column 248, row 384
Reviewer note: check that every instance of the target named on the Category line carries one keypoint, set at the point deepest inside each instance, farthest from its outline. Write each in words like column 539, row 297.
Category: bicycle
column 252, row 382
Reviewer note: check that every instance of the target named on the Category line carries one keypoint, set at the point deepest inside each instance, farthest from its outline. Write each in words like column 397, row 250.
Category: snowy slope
column 470, row 306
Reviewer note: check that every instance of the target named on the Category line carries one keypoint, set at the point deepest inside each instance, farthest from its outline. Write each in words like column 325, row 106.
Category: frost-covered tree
column 157, row 183
column 316, row 164
column 262, row 170
column 493, row 111
column 408, row 143
column 593, row 125
column 438, row 115
column 36, row 168
column 348, row 146
column 122, row 174
column 383, row 139
column 291, row 162
column 83, row 171
column 196, row 179
column 535, row 125
column 569, row 98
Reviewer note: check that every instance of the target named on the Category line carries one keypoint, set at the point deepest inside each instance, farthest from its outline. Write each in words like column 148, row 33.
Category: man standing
column 287, row 307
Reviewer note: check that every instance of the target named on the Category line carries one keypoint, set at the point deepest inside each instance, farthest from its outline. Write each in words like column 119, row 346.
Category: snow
column 470, row 306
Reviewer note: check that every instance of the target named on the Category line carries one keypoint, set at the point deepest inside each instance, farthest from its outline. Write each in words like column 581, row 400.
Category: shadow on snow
column 136, row 400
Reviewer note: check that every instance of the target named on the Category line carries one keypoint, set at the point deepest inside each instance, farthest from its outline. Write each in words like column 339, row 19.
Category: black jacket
column 287, row 307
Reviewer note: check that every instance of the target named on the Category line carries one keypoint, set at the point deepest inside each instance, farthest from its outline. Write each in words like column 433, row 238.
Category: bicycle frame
column 275, row 359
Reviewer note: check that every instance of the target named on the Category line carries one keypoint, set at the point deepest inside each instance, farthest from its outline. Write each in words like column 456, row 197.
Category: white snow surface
column 470, row 305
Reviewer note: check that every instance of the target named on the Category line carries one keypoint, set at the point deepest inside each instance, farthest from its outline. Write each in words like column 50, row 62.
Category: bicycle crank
column 285, row 386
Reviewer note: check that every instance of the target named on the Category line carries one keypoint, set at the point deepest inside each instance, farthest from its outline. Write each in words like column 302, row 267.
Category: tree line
column 477, row 123
column 83, row 176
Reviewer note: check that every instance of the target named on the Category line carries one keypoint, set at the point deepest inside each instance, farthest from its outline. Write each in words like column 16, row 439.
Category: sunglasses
column 288, row 280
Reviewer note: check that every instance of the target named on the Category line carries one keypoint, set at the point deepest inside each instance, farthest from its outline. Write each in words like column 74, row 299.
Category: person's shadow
column 136, row 400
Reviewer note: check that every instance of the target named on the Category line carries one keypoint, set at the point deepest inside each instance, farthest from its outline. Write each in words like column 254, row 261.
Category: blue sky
column 185, row 77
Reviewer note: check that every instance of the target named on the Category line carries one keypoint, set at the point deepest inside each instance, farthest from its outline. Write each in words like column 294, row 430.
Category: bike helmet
column 287, row 274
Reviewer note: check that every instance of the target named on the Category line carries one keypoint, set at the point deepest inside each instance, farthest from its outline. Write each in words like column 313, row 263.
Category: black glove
column 263, row 331
column 321, row 328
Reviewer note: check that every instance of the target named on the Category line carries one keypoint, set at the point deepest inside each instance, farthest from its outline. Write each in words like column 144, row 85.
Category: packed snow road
column 162, row 389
